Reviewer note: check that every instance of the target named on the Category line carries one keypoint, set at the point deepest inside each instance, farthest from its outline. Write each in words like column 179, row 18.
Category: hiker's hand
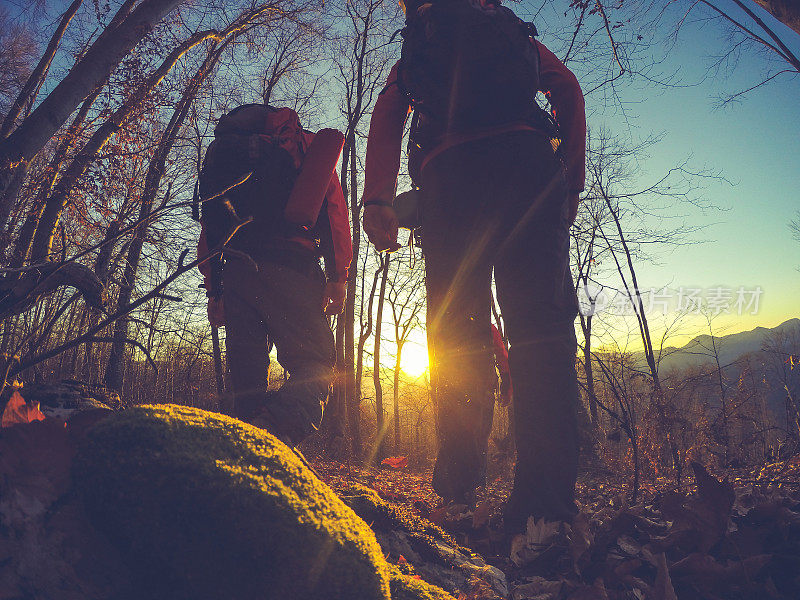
column 216, row 312
column 380, row 224
column 334, row 297
column 574, row 199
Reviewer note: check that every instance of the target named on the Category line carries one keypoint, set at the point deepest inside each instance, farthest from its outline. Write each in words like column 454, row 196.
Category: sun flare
column 414, row 361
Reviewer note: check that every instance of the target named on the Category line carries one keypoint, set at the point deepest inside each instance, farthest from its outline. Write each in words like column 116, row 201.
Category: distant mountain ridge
column 732, row 350
column 731, row 347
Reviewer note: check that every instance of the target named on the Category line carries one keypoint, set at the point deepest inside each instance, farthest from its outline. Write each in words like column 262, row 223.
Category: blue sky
column 755, row 144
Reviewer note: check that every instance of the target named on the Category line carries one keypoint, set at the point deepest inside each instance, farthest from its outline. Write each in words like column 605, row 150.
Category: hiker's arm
column 383, row 164
column 500, row 352
column 384, row 142
column 566, row 98
column 501, row 360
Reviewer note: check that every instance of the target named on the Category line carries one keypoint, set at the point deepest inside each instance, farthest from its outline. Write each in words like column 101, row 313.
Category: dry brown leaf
column 395, row 462
column 593, row 592
column 662, row 589
column 18, row 412
column 538, row 588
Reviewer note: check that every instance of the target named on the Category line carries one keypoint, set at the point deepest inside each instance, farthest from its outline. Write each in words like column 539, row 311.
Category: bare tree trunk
column 8, row 196
column 354, row 114
column 155, row 171
column 27, row 94
column 24, row 240
column 352, row 394
column 632, row 290
column 101, row 268
column 588, row 369
column 397, row 397
column 376, row 365
column 786, row 11
column 334, row 421
column 362, row 340
column 43, row 239
column 94, row 67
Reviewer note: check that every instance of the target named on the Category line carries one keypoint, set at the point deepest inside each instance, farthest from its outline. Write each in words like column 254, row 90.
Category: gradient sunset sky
column 754, row 143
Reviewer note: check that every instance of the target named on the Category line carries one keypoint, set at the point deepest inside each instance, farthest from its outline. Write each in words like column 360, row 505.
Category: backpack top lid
column 467, row 65
column 258, row 118
column 412, row 7
column 279, row 126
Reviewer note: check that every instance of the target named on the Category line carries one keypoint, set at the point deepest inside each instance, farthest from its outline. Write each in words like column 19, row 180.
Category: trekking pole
column 217, row 363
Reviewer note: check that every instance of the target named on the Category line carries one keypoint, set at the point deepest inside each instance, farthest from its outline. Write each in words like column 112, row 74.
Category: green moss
column 383, row 516
column 206, row 506
column 373, row 509
column 410, row 588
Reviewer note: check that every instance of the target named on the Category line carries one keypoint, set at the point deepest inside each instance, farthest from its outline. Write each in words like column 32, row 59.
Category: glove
column 380, row 225
column 334, row 297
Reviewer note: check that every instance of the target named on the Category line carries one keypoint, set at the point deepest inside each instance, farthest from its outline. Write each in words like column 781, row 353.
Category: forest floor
column 728, row 536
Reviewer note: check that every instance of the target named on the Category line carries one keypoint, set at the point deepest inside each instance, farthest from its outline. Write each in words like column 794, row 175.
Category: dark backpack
column 250, row 167
column 465, row 66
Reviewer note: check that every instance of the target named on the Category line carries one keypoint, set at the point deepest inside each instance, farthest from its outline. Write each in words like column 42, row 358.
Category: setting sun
column 414, row 361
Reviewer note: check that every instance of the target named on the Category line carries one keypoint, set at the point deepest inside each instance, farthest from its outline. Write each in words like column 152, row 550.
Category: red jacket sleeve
column 340, row 229
column 500, row 352
column 566, row 98
column 384, row 144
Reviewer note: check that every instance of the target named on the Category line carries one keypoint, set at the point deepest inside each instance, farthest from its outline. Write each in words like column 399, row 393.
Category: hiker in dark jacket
column 272, row 284
column 496, row 198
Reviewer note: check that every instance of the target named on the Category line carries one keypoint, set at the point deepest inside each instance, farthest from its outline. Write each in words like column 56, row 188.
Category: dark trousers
column 284, row 303
column 501, row 203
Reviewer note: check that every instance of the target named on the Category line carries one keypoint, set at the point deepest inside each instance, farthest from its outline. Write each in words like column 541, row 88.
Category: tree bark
column 24, row 240
column 786, row 11
column 28, row 93
column 155, row 171
column 362, row 340
column 352, row 395
column 376, row 365
column 397, row 397
column 43, row 239
column 94, row 67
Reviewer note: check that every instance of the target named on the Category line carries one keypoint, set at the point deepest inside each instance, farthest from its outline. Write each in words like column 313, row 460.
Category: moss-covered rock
column 383, row 516
column 429, row 551
column 405, row 587
column 205, row 506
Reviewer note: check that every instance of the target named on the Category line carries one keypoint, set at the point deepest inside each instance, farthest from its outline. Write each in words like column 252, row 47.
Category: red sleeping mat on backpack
column 309, row 190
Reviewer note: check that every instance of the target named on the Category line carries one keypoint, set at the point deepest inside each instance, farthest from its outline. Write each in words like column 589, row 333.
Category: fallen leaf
column 662, row 588
column 594, row 592
column 538, row 588
column 539, row 537
column 18, row 412
column 395, row 462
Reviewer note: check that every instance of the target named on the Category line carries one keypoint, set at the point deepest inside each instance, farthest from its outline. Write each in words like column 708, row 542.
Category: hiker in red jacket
column 271, row 284
column 495, row 196
column 501, row 362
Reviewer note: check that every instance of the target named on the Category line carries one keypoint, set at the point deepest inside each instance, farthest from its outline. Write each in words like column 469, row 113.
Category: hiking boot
column 544, row 544
column 458, row 473
column 264, row 419
column 289, row 425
